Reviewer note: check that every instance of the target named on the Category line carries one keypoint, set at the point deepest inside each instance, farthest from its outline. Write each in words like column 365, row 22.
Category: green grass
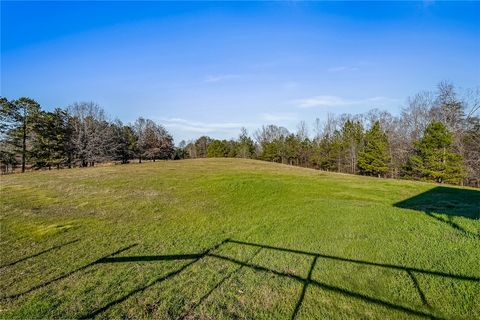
column 302, row 243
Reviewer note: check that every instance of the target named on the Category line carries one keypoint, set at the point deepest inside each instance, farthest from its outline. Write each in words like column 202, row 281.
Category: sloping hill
column 230, row 238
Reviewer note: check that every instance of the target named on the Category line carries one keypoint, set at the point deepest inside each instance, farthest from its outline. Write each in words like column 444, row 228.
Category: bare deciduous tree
column 90, row 133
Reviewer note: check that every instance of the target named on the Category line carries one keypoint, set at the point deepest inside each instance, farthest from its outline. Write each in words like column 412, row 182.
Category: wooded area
column 435, row 138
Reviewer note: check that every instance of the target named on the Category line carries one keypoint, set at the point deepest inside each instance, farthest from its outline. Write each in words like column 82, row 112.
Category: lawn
column 230, row 238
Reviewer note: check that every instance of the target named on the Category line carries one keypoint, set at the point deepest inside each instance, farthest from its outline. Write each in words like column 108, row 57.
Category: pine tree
column 327, row 152
column 18, row 118
column 245, row 148
column 51, row 135
column 352, row 136
column 434, row 158
column 217, row 149
column 374, row 159
column 124, row 142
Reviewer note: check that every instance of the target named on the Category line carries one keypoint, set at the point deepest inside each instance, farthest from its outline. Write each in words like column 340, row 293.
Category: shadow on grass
column 157, row 280
column 216, row 286
column 65, row 275
column 151, row 258
column 39, row 253
column 306, row 282
column 446, row 201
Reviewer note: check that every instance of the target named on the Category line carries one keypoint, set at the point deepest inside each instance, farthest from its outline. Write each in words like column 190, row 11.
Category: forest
column 435, row 137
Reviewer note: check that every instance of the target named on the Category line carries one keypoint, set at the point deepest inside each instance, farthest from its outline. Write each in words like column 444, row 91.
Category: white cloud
column 221, row 77
column 335, row 101
column 321, row 101
column 203, row 127
column 288, row 116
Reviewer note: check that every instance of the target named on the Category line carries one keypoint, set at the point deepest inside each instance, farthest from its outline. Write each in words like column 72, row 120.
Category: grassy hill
column 227, row 238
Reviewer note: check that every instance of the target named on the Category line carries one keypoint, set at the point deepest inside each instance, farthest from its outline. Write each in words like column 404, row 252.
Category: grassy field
column 228, row 238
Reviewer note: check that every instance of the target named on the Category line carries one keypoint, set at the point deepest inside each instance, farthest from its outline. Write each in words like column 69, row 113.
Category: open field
column 228, row 238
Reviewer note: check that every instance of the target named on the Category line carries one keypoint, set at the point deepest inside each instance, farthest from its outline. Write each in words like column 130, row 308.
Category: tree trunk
column 24, row 144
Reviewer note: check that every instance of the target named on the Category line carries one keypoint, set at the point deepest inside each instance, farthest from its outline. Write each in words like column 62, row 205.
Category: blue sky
column 211, row 68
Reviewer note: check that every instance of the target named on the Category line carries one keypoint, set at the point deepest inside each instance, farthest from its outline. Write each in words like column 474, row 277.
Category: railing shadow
column 453, row 225
column 197, row 257
column 305, row 281
column 308, row 281
column 215, row 287
column 384, row 265
column 65, row 275
column 304, row 288
column 39, row 253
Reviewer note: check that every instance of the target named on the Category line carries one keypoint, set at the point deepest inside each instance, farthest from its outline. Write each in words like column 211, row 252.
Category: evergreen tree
column 124, row 142
column 269, row 151
column 231, row 148
column 245, row 148
column 217, row 149
column 292, row 149
column 7, row 152
column 434, row 158
column 6, row 108
column 374, row 159
column 272, row 143
column 305, row 151
column 352, row 136
column 327, row 154
column 8, row 160
column 51, row 138
column 18, row 118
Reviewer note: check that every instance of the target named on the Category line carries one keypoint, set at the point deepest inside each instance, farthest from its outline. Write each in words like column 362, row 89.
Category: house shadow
column 445, row 203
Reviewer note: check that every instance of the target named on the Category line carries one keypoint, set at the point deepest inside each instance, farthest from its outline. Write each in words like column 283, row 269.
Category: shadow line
column 419, row 290
column 328, row 287
column 391, row 266
column 65, row 275
column 205, row 297
column 453, row 225
column 39, row 253
column 304, row 289
column 154, row 282
column 209, row 252
column 151, row 258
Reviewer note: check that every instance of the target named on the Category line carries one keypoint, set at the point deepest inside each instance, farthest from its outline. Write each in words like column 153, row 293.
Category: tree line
column 79, row 135
column 436, row 138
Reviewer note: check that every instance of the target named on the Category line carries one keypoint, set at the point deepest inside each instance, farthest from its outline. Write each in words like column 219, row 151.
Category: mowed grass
column 230, row 238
